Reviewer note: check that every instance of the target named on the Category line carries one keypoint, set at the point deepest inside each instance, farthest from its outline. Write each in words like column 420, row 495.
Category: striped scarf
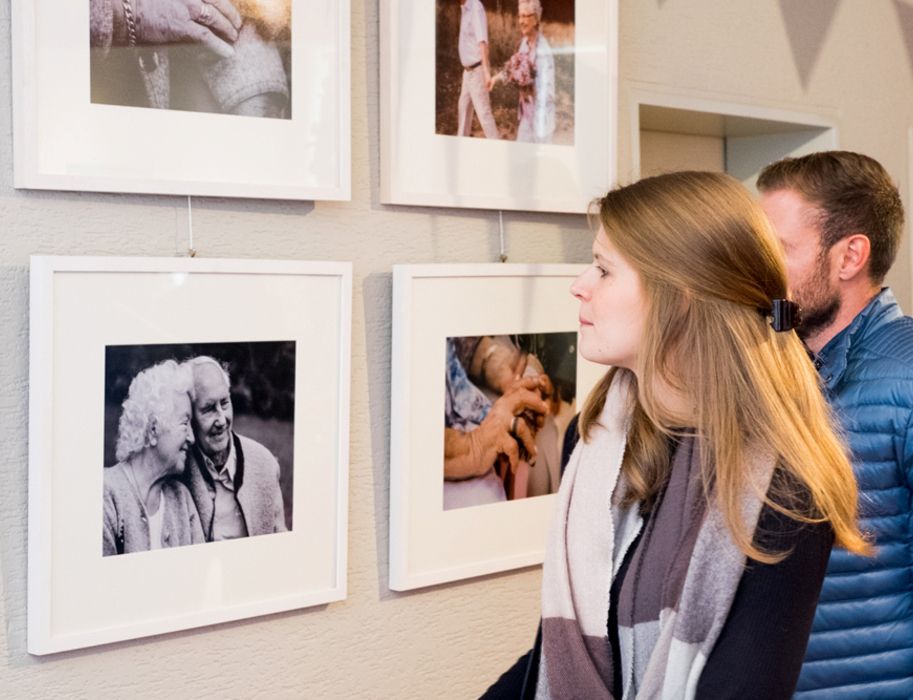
column 667, row 628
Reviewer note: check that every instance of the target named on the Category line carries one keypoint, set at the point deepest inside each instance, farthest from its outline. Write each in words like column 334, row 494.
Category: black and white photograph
column 505, row 69
column 218, row 56
column 198, row 443
column 508, row 402
column 175, row 478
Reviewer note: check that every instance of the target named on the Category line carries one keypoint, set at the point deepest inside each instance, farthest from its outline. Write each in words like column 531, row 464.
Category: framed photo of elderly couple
column 236, row 98
column 188, row 443
column 498, row 104
column 486, row 377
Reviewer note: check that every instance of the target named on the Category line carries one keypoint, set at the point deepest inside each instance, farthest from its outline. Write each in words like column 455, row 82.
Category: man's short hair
column 854, row 194
column 201, row 360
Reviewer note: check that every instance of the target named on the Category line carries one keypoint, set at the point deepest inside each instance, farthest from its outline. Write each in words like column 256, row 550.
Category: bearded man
column 839, row 217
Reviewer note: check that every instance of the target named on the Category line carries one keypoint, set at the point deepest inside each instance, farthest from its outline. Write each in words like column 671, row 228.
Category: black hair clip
column 785, row 315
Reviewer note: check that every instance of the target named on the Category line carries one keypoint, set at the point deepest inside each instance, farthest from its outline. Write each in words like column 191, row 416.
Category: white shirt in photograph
column 473, row 30
column 156, row 521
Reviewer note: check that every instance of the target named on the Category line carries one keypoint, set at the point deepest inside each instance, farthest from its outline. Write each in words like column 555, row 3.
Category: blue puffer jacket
column 862, row 639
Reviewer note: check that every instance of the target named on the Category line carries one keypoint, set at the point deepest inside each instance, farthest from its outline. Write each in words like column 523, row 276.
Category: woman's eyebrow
column 601, row 258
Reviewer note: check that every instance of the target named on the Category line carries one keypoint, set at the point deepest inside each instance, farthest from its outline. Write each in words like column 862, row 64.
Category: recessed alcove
column 676, row 132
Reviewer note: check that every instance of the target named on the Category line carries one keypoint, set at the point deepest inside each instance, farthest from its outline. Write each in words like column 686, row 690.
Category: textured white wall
column 451, row 640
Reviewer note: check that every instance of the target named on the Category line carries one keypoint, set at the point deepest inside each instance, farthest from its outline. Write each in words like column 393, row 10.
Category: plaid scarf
column 667, row 626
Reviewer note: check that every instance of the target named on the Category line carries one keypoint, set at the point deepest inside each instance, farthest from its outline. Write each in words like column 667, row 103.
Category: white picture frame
column 420, row 166
column 64, row 141
column 80, row 308
column 430, row 544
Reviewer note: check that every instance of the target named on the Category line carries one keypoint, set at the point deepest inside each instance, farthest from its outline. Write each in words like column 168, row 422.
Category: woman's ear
column 153, row 431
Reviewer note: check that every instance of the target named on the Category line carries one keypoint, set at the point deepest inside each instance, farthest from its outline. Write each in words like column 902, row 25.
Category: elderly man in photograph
column 476, row 70
column 234, row 480
column 840, row 217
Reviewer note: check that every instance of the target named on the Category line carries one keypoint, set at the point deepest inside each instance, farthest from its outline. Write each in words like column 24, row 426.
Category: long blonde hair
column 711, row 266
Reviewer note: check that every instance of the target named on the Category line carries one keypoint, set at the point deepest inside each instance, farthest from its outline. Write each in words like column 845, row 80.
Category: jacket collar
column 238, row 478
column 833, row 359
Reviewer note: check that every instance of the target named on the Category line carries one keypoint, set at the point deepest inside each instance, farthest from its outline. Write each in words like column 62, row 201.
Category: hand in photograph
column 536, row 420
column 516, row 476
column 500, row 436
column 215, row 23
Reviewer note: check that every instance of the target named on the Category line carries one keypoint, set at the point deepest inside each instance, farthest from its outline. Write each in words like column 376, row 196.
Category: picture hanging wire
column 501, row 235
column 191, row 251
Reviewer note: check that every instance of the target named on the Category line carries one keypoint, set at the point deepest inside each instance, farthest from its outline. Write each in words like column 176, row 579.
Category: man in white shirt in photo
column 476, row 71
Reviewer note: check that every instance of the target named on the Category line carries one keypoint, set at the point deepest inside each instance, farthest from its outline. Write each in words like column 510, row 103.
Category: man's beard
column 818, row 303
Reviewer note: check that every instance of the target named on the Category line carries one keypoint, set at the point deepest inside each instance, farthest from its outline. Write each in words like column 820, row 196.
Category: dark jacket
column 862, row 637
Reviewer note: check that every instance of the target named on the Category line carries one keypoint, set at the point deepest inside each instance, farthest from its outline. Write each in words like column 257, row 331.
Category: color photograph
column 220, row 56
column 505, row 70
column 508, row 402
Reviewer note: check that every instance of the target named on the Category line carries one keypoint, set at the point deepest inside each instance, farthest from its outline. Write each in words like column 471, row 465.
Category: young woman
column 697, row 513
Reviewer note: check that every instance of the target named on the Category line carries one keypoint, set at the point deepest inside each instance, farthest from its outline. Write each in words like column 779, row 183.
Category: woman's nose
column 579, row 287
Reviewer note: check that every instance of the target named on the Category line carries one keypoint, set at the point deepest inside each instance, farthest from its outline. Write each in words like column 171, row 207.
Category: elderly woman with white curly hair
column 144, row 506
column 532, row 69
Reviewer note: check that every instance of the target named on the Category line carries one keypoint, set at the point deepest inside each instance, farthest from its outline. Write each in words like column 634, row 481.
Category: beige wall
column 451, row 640
column 662, row 152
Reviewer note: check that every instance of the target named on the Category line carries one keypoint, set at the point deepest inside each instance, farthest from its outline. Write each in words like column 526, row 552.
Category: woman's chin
column 592, row 355
column 605, row 359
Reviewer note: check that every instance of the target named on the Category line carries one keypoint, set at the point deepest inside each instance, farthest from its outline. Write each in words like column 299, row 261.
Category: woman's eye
column 602, row 271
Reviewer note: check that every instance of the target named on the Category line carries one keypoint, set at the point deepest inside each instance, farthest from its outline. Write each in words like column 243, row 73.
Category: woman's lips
column 583, row 322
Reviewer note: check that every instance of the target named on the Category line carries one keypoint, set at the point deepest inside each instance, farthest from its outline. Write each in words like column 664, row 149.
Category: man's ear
column 153, row 431
column 854, row 258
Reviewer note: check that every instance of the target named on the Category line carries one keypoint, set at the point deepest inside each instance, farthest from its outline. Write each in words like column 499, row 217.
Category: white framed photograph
column 233, row 98
column 486, row 377
column 188, row 443
column 498, row 104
